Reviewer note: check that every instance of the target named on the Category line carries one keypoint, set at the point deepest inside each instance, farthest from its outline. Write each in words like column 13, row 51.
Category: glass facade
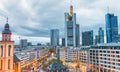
column 71, row 31
column 101, row 35
column 54, row 37
column 111, row 28
column 87, row 38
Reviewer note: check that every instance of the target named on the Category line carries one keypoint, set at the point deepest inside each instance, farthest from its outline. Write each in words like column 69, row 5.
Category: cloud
column 35, row 18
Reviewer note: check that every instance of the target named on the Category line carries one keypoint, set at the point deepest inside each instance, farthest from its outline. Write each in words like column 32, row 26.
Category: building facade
column 71, row 29
column 105, row 57
column 101, row 35
column 54, row 37
column 7, row 59
column 63, row 41
column 77, row 35
column 23, row 43
column 96, row 39
column 111, row 28
column 87, row 38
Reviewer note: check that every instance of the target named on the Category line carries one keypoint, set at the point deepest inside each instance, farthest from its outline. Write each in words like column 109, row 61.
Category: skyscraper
column 63, row 41
column 111, row 28
column 23, row 43
column 71, row 29
column 101, row 35
column 87, row 38
column 77, row 36
column 96, row 39
column 54, row 37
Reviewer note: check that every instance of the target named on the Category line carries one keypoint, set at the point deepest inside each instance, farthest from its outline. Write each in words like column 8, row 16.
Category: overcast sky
column 33, row 19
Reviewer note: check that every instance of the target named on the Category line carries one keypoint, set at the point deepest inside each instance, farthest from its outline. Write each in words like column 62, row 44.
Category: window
column 9, row 50
column 8, row 64
column 1, row 51
column 1, row 65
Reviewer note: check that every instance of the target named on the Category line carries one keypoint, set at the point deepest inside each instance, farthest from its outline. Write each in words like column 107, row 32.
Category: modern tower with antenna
column 111, row 26
column 71, row 29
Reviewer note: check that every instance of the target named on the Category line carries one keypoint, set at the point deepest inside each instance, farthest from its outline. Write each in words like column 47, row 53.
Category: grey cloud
column 45, row 15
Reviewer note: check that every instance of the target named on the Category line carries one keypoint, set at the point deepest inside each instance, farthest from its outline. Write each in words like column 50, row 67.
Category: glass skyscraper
column 63, row 41
column 101, row 35
column 111, row 28
column 77, row 36
column 87, row 38
column 71, row 29
column 54, row 37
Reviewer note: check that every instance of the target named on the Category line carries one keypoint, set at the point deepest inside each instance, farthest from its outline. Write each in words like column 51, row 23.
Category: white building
column 105, row 57
column 27, row 56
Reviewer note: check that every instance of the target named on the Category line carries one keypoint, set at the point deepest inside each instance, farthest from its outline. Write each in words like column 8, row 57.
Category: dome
column 6, row 29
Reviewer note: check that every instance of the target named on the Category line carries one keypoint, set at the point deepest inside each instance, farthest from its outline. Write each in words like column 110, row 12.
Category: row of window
column 103, row 51
column 9, row 50
column 1, row 64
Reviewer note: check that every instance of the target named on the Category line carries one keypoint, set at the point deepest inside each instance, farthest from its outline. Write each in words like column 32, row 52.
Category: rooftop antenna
column 108, row 7
column 71, row 8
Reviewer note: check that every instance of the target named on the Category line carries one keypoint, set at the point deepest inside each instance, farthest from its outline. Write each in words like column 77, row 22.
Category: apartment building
column 105, row 57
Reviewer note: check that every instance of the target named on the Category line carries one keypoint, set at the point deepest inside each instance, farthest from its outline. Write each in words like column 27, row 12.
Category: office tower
column 111, row 28
column 71, row 29
column 63, row 41
column 101, row 35
column 6, row 50
column 23, row 43
column 77, row 36
column 96, row 39
column 87, row 38
column 54, row 37
column 29, row 43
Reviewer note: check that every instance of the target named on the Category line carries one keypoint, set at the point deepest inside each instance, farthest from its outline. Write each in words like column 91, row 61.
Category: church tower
column 6, row 50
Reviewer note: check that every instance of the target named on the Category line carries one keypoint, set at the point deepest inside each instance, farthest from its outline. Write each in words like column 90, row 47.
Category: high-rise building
column 87, row 38
column 111, row 28
column 77, row 36
column 71, row 29
column 101, row 35
column 23, row 43
column 96, row 39
column 54, row 37
column 63, row 41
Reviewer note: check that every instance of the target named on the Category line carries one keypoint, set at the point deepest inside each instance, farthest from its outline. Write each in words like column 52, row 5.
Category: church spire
column 7, row 20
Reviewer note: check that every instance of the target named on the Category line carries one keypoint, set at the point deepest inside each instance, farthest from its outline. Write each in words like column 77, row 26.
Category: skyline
column 39, row 18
